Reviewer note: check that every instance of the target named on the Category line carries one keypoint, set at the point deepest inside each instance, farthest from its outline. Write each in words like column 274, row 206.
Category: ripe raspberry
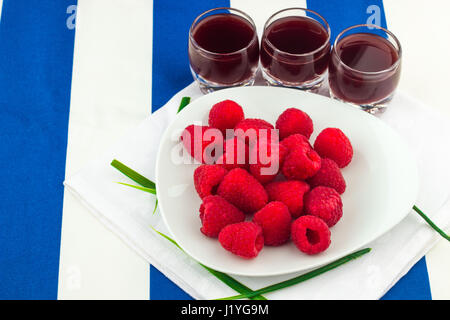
column 300, row 164
column 207, row 178
column 329, row 175
column 244, row 239
column 324, row 203
column 235, row 154
column 252, row 129
column 310, row 234
column 275, row 221
column 225, row 115
column 332, row 143
column 241, row 189
column 253, row 124
column 293, row 121
column 216, row 213
column 266, row 160
column 202, row 142
column 290, row 193
column 295, row 141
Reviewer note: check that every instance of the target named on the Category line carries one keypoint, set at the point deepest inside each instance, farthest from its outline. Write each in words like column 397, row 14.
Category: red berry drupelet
column 324, row 203
column 225, row 115
column 296, row 140
column 275, row 221
column 291, row 193
column 241, row 189
column 207, row 178
column 244, row 239
column 249, row 130
column 216, row 213
column 293, row 121
column 310, row 234
column 332, row 143
column 300, row 164
column 329, row 175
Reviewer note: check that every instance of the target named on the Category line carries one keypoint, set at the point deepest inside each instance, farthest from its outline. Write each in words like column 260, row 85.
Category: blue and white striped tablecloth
column 66, row 93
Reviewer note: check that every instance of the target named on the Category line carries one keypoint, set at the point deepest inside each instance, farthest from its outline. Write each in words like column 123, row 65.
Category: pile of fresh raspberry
column 265, row 185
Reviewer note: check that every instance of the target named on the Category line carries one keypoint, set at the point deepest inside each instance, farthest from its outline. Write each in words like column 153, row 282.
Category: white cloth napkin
column 128, row 212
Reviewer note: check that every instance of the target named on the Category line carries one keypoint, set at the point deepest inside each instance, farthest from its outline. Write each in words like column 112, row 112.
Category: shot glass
column 223, row 49
column 295, row 49
column 365, row 66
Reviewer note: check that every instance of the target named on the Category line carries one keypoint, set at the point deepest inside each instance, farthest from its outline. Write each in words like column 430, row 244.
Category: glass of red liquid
column 295, row 49
column 365, row 67
column 223, row 49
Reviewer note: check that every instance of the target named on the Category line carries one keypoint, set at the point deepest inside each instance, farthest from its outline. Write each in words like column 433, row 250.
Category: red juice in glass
column 295, row 49
column 365, row 68
column 223, row 49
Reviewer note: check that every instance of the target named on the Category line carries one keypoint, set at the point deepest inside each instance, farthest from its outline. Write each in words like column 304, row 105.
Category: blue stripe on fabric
column 340, row 15
column 414, row 285
column 171, row 22
column 35, row 82
column 345, row 13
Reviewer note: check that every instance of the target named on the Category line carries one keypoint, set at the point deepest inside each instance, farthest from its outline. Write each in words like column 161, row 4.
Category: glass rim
column 299, row 54
column 392, row 67
column 196, row 45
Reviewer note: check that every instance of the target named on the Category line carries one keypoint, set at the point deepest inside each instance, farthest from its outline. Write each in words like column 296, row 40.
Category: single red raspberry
column 241, row 189
column 207, row 178
column 216, row 213
column 310, row 234
column 275, row 221
column 332, row 143
column 250, row 130
column 291, row 193
column 324, row 203
column 296, row 140
column 202, row 143
column 244, row 239
column 329, row 175
column 225, row 115
column 266, row 160
column 235, row 154
column 300, row 164
column 293, row 121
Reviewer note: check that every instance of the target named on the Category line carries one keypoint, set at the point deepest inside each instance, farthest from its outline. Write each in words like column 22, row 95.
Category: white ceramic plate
column 382, row 181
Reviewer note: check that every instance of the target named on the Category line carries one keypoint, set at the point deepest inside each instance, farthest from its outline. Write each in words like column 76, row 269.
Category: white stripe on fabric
column 261, row 11
column 425, row 68
column 1, row 6
column 111, row 93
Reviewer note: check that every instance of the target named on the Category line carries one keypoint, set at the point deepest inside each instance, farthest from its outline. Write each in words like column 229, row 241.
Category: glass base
column 208, row 86
column 376, row 107
column 311, row 86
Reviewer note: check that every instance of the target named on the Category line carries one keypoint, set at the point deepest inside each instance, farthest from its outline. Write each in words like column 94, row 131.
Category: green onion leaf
column 303, row 277
column 231, row 282
column 184, row 102
column 149, row 190
column 234, row 284
column 156, row 206
column 167, row 238
column 133, row 175
column 431, row 223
